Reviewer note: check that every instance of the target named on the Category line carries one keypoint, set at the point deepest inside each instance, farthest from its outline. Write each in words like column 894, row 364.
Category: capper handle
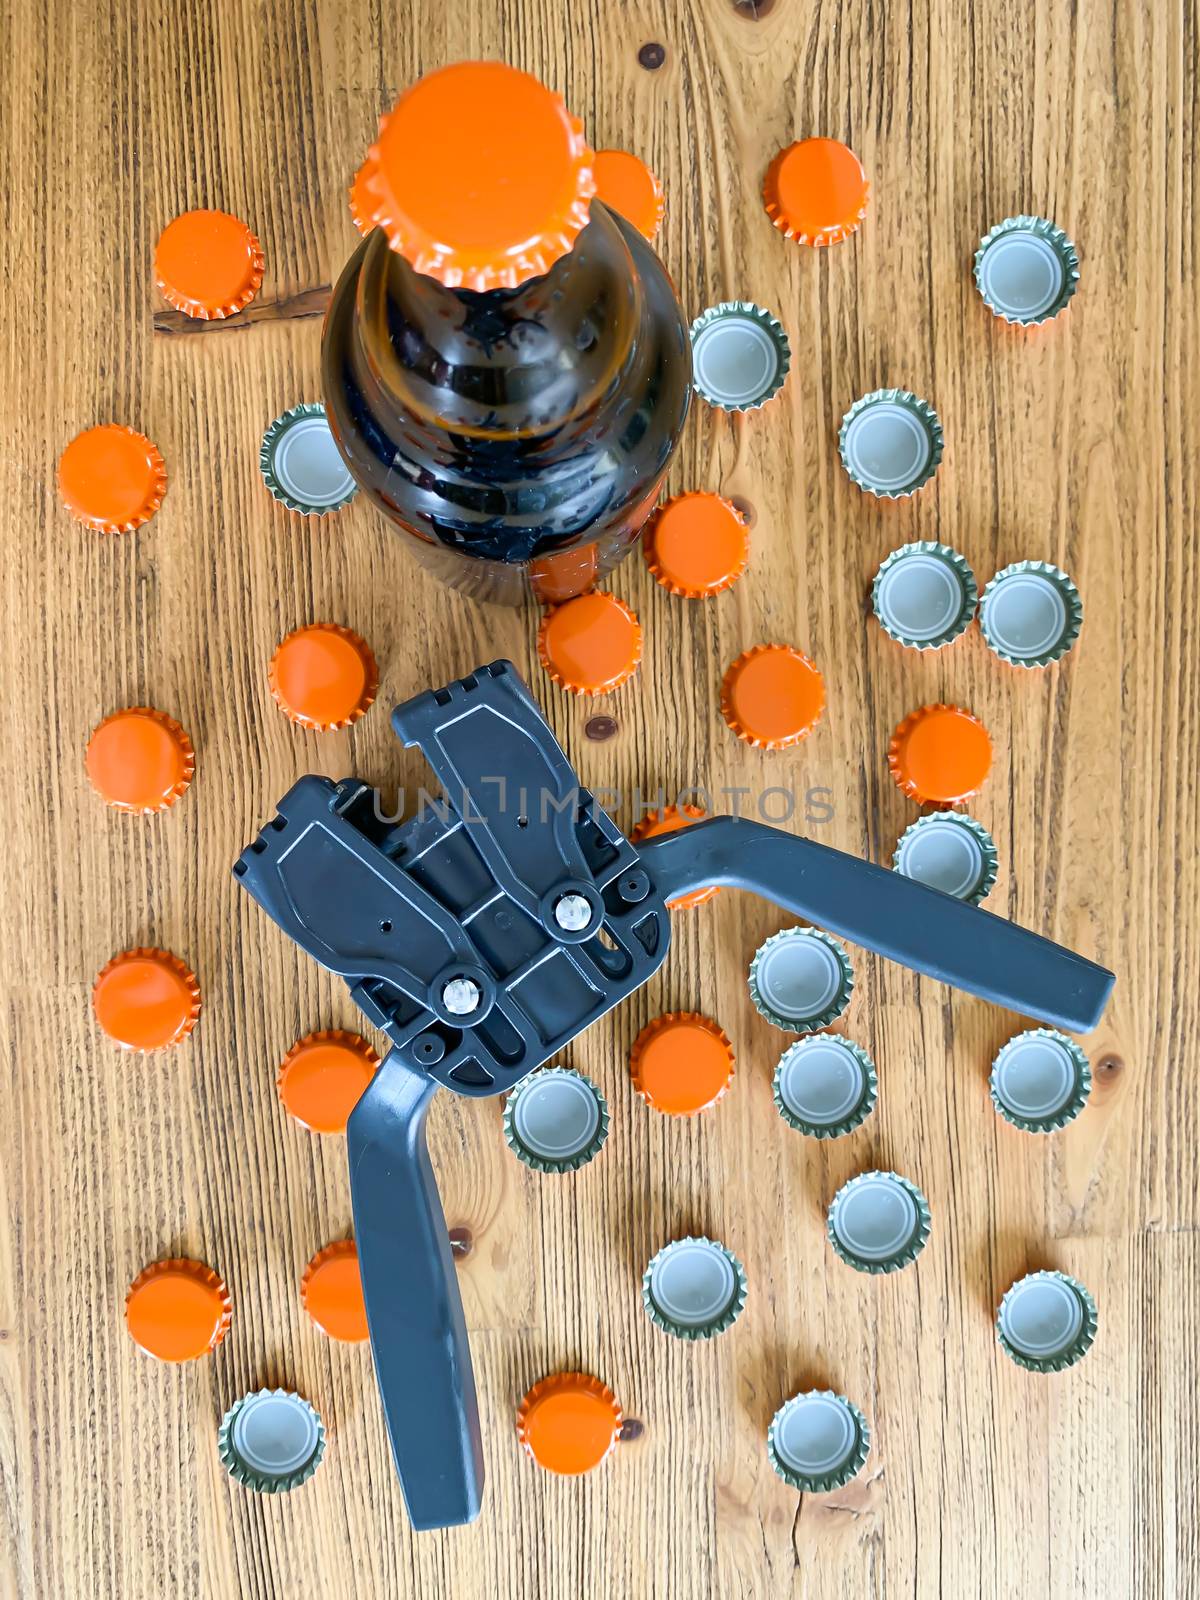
column 931, row 932
column 414, row 1309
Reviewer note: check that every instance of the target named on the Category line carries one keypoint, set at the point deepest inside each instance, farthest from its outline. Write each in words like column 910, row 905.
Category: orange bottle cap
column 568, row 1423
column 669, row 820
column 323, row 676
column 563, row 574
column 625, row 183
column 111, row 478
column 146, row 998
column 773, row 696
column 208, row 264
column 177, row 1310
column 480, row 176
column 590, row 645
column 323, row 1077
column 696, row 544
column 681, row 1063
column 940, row 753
column 362, row 201
column 140, row 760
column 816, row 191
column 332, row 1293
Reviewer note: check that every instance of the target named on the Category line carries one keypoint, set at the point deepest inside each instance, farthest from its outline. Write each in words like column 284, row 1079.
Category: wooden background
column 1077, row 444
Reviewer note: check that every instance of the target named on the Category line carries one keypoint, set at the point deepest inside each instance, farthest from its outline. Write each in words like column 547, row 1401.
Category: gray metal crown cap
column 878, row 1222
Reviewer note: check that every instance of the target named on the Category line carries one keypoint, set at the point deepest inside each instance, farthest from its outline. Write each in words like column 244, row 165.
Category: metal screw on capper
column 572, row 912
column 461, row 996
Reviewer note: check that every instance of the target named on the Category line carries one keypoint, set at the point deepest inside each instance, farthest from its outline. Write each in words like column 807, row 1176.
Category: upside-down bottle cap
column 773, row 696
column 301, row 464
column 694, row 1288
column 1040, row 1080
column 271, row 1441
column 1026, row 270
column 681, row 1063
column 891, row 442
column 696, row 544
column 625, row 183
column 669, row 820
column 590, row 645
column 139, row 760
column 323, row 676
column 1046, row 1322
column 825, row 1086
column 556, row 1120
column 1030, row 614
column 740, row 355
column 924, row 595
column 177, row 1310
column 569, row 1422
column 818, row 1441
column 950, row 851
column 208, row 264
column 801, row 979
column 878, row 1222
column 816, row 191
column 111, row 478
column 331, row 1292
column 480, row 176
column 940, row 754
column 323, row 1077
column 144, row 999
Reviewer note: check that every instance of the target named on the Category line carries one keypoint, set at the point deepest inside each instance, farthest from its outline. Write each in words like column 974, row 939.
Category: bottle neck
column 510, row 364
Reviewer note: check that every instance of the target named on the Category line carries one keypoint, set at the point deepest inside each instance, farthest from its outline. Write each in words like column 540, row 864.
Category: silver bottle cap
column 740, row 355
column 818, row 1441
column 301, row 464
column 924, row 595
column 950, row 851
column 1030, row 614
column 890, row 443
column 694, row 1288
column 878, row 1222
column 1046, row 1322
column 556, row 1120
column 1040, row 1080
column 825, row 1086
column 1026, row 269
column 271, row 1441
column 801, row 980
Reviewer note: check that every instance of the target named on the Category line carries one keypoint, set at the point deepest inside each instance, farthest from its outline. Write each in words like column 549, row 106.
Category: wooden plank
column 1075, row 444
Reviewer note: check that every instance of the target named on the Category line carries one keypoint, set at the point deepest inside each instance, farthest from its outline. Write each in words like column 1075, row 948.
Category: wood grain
column 1076, row 444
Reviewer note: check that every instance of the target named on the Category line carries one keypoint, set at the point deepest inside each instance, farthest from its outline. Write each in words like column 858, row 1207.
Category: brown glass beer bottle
column 505, row 363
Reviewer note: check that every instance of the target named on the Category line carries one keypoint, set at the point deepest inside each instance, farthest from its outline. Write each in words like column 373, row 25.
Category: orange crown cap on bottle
column 696, row 544
column 816, row 191
column 331, row 1292
column 177, row 1310
column 144, row 999
column 480, row 176
column 139, row 760
column 362, row 201
column 569, row 1423
column 669, row 820
column 323, row 1077
column 940, row 754
column 626, row 184
column 590, row 645
column 773, row 696
column 323, row 676
column 681, row 1063
column 111, row 478
column 208, row 264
